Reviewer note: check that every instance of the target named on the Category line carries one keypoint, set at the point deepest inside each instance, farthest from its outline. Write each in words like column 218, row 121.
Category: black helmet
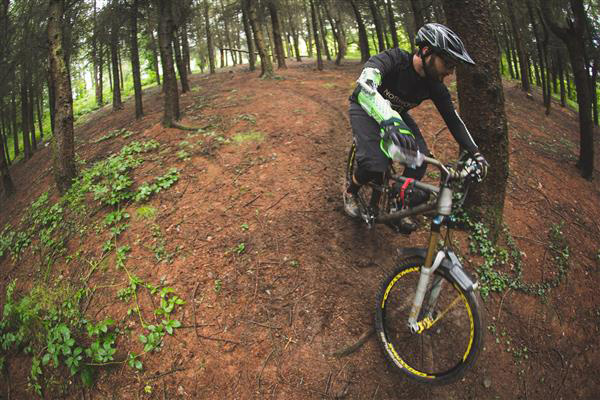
column 441, row 39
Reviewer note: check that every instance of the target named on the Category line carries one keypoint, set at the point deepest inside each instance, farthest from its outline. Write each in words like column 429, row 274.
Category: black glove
column 482, row 166
column 403, row 140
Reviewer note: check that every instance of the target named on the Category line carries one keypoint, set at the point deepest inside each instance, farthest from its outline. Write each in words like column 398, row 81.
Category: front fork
column 427, row 271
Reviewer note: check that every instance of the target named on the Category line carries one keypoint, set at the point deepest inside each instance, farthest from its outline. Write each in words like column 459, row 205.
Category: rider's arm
column 369, row 98
column 442, row 100
column 374, row 104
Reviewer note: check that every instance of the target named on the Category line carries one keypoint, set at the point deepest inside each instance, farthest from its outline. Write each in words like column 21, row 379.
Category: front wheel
column 450, row 337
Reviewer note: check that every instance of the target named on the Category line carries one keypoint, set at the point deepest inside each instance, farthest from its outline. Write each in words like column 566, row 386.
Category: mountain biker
column 391, row 83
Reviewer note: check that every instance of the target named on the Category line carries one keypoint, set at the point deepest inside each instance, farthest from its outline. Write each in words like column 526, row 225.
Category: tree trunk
column 417, row 11
column 114, row 56
column 31, row 118
column 338, row 34
column 154, row 51
column 63, row 148
column 135, row 61
column 13, row 112
column 181, row 68
column 543, row 54
column 185, row 48
column 323, row 31
column 519, row 45
column 509, row 60
column 561, row 77
column 39, row 110
column 378, row 25
column 249, row 38
column 309, row 33
column 25, row 124
column 209, row 39
column 100, row 88
column 481, row 101
column 227, row 34
column 392, row 23
column 97, row 84
column 265, row 62
column 166, row 28
column 363, row 39
column 313, row 16
column 7, row 183
column 277, row 34
column 574, row 38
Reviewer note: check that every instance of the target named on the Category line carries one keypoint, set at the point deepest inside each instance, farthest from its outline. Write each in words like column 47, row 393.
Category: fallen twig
column 353, row 347
column 165, row 373
column 277, row 202
column 263, row 367
column 252, row 201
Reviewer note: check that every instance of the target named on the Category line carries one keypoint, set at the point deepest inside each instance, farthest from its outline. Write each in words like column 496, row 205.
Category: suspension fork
column 427, row 270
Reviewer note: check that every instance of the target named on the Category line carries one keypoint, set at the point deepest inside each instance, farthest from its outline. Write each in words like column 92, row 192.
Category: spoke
column 451, row 305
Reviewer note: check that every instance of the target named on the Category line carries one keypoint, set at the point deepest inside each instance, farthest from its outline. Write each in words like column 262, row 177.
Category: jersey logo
column 397, row 103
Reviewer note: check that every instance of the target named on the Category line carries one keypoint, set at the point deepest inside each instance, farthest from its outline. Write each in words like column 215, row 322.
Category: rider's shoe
column 351, row 205
column 407, row 225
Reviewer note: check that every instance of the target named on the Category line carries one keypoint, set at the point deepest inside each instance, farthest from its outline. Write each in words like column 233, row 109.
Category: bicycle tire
column 368, row 196
column 441, row 354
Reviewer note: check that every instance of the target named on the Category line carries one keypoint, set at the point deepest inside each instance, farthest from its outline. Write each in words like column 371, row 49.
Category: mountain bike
column 428, row 317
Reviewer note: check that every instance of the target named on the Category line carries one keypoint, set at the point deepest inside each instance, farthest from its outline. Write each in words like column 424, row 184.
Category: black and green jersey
column 405, row 89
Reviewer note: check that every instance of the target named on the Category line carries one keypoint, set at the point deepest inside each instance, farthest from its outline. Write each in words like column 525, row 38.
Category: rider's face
column 439, row 68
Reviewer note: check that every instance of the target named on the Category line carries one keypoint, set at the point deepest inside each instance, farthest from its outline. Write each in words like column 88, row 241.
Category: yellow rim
column 397, row 359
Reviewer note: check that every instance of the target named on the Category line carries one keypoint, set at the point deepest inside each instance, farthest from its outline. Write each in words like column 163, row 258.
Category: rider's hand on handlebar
column 482, row 166
column 400, row 139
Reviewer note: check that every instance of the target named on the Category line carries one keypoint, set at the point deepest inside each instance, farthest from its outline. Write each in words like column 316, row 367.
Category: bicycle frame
column 444, row 257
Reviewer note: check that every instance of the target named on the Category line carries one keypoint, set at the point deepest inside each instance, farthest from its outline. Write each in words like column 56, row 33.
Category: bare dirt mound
column 275, row 277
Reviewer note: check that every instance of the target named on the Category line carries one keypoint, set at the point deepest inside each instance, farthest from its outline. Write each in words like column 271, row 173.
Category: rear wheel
column 370, row 199
column 451, row 335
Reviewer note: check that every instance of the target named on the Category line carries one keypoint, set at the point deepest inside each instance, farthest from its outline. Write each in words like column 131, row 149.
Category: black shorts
column 366, row 132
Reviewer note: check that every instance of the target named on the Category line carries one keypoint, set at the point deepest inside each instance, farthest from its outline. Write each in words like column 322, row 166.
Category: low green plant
column 492, row 279
column 218, row 285
column 160, row 183
column 47, row 324
column 248, row 136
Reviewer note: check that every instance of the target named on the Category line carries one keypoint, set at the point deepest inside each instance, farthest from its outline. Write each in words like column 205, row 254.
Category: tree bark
column 25, row 123
column 309, row 33
column 561, row 77
column 392, row 23
column 481, row 101
column 519, row 45
column 277, row 34
column 265, row 62
column 574, row 38
column 166, row 28
column 363, row 39
column 181, row 68
column 338, row 34
column 135, row 61
column 378, row 25
column 508, row 52
column 313, row 16
column 114, row 56
column 417, row 11
column 185, row 48
column 249, row 38
column 323, row 31
column 209, row 38
column 153, row 49
column 63, row 147
column 13, row 108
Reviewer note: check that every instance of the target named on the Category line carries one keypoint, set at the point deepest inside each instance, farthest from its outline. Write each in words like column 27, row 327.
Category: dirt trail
column 305, row 281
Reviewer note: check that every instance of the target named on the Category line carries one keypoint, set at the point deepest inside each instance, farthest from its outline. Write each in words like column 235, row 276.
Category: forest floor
column 274, row 275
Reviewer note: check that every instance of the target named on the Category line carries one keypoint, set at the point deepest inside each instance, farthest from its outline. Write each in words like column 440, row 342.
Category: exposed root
column 353, row 347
